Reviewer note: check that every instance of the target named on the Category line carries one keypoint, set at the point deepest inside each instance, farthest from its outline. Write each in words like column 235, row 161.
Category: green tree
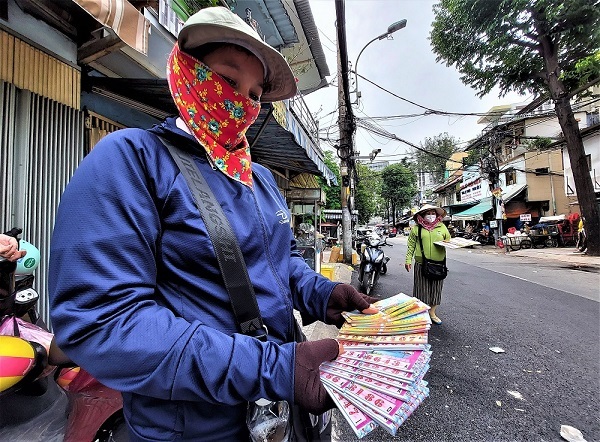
column 434, row 154
column 332, row 192
column 474, row 157
column 545, row 47
column 398, row 186
column 538, row 144
column 367, row 196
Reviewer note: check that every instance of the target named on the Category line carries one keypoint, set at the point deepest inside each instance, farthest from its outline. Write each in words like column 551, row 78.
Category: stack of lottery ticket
column 402, row 323
column 378, row 379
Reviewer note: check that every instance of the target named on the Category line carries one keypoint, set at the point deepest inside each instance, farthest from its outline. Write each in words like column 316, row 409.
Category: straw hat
column 219, row 25
column 441, row 212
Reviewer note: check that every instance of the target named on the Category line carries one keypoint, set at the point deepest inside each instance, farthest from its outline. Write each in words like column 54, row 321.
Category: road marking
column 513, row 276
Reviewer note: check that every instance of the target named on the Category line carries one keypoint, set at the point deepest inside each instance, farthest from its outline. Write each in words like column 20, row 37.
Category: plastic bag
column 269, row 421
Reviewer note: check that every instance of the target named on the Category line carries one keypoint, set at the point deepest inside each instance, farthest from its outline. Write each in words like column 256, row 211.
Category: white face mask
column 430, row 218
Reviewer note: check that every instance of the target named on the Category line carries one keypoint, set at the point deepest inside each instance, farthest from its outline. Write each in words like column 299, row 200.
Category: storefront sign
column 305, row 195
column 471, row 191
column 525, row 216
column 493, row 224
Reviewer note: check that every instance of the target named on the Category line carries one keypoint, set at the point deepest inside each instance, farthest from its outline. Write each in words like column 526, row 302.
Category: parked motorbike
column 43, row 395
column 486, row 240
column 373, row 262
column 461, row 233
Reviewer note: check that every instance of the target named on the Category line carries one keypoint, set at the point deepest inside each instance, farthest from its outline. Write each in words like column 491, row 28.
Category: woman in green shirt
column 430, row 219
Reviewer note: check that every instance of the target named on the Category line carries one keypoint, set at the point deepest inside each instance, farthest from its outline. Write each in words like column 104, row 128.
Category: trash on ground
column 499, row 403
column 519, row 409
column 497, row 349
column 571, row 434
column 515, row 394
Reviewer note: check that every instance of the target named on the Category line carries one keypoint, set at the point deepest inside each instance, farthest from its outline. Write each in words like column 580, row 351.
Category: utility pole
column 490, row 167
column 344, row 150
column 347, row 127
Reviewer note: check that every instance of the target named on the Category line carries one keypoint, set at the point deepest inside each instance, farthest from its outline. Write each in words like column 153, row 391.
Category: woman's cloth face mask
column 430, row 218
column 216, row 114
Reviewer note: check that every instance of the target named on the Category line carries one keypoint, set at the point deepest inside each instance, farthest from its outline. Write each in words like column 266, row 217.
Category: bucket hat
column 441, row 212
column 218, row 24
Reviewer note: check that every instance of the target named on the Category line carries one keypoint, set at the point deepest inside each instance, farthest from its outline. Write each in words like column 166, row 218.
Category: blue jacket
column 137, row 297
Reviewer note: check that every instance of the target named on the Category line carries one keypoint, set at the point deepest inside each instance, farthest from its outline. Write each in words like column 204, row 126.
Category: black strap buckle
column 259, row 333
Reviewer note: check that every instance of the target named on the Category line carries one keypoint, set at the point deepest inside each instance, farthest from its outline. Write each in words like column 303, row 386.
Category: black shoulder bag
column 432, row 270
column 305, row 426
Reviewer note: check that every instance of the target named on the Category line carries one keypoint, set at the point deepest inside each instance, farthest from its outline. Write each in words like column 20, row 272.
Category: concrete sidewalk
column 569, row 256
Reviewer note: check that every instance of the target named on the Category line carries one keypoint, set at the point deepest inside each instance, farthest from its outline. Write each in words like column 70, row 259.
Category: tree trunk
column 570, row 128
column 581, row 174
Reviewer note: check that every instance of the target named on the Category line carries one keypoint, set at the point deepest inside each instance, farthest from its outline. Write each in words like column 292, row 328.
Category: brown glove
column 309, row 392
column 345, row 298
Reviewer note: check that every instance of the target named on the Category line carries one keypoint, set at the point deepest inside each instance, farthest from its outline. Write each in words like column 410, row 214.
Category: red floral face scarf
column 215, row 113
column 429, row 225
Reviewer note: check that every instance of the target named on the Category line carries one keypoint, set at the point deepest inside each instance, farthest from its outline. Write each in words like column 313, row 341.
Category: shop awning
column 123, row 18
column 474, row 213
column 551, row 219
column 511, row 191
column 459, row 207
column 284, row 143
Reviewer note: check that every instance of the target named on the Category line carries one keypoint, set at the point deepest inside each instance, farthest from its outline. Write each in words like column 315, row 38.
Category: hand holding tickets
column 378, row 379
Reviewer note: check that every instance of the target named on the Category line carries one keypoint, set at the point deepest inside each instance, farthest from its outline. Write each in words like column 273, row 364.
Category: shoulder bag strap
column 423, row 251
column 229, row 256
column 421, row 244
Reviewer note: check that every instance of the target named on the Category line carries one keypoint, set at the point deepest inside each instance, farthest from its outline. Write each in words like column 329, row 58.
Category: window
column 508, row 148
column 588, row 158
column 510, row 177
column 542, row 171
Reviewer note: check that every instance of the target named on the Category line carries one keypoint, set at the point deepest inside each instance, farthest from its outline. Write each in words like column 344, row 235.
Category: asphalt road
column 546, row 318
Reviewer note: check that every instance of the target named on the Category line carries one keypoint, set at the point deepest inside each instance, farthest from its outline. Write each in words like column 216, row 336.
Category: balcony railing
column 305, row 118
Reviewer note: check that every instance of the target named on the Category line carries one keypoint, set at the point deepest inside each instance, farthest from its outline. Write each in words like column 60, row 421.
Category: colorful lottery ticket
column 378, row 406
column 351, row 345
column 397, row 306
column 389, row 386
column 412, row 338
column 361, row 423
column 409, row 339
column 374, row 368
column 406, row 361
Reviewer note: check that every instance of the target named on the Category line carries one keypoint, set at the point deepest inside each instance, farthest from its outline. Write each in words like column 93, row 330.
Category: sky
column 405, row 66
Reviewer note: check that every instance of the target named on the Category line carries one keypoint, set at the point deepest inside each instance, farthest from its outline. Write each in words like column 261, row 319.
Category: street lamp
column 390, row 30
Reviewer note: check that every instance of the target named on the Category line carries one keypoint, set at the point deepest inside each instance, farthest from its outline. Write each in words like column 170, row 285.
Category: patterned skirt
column 429, row 292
